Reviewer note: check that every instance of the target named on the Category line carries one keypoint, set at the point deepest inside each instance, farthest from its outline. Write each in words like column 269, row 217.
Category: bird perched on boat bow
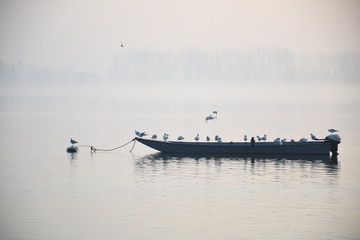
column 207, row 138
column 180, row 138
column 72, row 141
column 140, row 134
column 259, row 138
column 245, row 138
column 154, row 136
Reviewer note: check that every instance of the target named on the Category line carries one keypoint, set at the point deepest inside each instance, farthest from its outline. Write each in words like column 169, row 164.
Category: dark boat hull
column 313, row 147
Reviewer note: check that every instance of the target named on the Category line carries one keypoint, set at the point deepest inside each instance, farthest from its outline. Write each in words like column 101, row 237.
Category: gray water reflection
column 322, row 164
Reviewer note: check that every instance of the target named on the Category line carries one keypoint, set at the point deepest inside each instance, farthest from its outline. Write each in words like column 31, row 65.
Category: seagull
column 72, row 141
column 216, row 137
column 207, row 138
column 313, row 137
column 210, row 117
column 283, row 140
column 332, row 130
column 259, row 138
column 140, row 134
column 165, row 136
column 219, row 140
column 180, row 138
column 197, row 137
column 264, row 138
column 154, row 136
column 303, row 140
column 245, row 138
column 277, row 140
column 292, row 140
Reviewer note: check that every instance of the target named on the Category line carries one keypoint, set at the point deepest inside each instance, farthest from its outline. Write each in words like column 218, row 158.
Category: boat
column 322, row 147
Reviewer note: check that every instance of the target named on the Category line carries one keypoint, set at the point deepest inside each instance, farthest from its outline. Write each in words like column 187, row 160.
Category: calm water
column 46, row 193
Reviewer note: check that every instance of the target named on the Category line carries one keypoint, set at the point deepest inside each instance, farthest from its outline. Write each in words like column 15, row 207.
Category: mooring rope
column 93, row 149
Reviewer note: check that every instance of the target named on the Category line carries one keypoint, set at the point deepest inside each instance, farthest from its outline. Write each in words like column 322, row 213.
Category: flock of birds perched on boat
column 218, row 139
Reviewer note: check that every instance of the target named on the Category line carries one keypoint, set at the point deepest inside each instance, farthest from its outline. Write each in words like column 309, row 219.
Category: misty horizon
column 271, row 64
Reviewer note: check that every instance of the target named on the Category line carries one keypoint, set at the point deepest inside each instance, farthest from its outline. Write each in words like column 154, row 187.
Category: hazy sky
column 86, row 34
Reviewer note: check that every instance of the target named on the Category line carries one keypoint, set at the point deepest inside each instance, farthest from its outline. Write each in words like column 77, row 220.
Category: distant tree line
column 233, row 65
column 192, row 64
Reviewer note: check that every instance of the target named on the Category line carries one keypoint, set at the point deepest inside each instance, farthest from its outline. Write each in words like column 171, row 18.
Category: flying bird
column 72, row 141
column 211, row 116
column 332, row 130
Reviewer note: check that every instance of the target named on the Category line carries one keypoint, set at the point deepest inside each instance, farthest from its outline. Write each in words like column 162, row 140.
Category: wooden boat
column 322, row 147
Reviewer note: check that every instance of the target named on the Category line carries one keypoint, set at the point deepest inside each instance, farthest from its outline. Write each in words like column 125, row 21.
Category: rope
column 93, row 149
column 133, row 145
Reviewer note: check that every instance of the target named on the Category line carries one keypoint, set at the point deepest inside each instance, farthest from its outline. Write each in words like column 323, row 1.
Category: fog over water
column 281, row 68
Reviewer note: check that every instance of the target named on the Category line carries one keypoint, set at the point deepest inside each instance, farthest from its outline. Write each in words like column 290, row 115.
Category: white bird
column 283, row 140
column 197, row 137
column 72, row 141
column 245, row 138
column 216, row 137
column 154, row 136
column 180, row 138
column 219, row 140
column 303, row 140
column 210, row 117
column 166, row 136
column 207, row 138
column 313, row 137
column 277, row 140
column 332, row 130
column 259, row 138
column 264, row 138
column 140, row 134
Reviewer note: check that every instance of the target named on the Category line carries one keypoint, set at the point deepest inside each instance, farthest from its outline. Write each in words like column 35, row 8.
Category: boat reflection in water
column 166, row 160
